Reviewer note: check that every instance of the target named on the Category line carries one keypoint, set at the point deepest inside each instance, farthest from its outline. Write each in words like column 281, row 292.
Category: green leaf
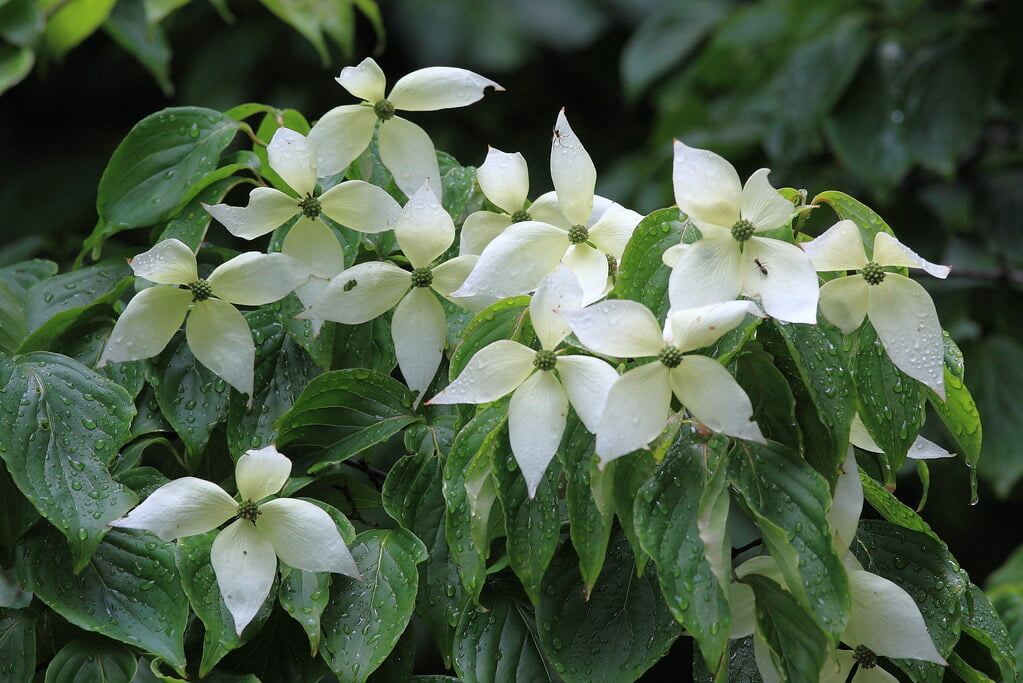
column 773, row 404
column 642, row 275
column 17, row 644
column 84, row 341
column 1008, row 600
column 68, row 292
column 368, row 345
column 130, row 28
column 15, row 64
column 997, row 364
column 848, row 208
column 22, row 275
column 742, row 665
column 13, row 327
column 797, row 644
column 504, row 320
column 892, row 509
column 982, row 624
column 277, row 653
column 92, row 659
column 62, row 426
column 17, row 515
column 191, row 223
column 628, row 475
column 364, row 620
column 312, row 17
column 958, row 412
column 789, row 501
column 72, row 22
column 399, row 664
column 304, row 595
column 128, row 591
column 618, row 633
column 342, row 413
column 462, row 196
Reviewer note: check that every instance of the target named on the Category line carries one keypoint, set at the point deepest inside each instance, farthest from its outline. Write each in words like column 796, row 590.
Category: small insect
column 761, row 266
column 558, row 137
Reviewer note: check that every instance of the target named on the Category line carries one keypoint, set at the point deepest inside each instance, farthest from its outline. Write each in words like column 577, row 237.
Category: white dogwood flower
column 244, row 555
column 639, row 403
column 900, row 309
column 216, row 332
column 730, row 260
column 504, row 180
column 344, row 132
column 539, row 405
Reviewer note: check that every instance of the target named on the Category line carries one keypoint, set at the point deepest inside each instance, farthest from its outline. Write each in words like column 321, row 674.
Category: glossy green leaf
column 22, row 275
column 304, row 596
column 628, row 475
column 504, row 320
column 191, row 223
column 72, row 22
column 399, row 664
column 742, row 666
column 773, row 404
column 462, row 196
column 13, row 326
column 958, row 412
column 982, row 624
column 103, row 282
column 865, row 218
column 129, row 26
column 17, row 644
column 92, row 659
column 368, row 345
column 17, row 514
column 84, row 341
column 797, row 644
column 642, row 276
column 892, row 509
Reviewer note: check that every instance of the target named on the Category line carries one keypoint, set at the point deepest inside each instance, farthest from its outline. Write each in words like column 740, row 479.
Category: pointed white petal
column 572, row 172
column 589, row 265
column 847, row 504
column 493, row 372
column 439, row 87
column 558, row 291
column 707, row 272
column 267, row 210
column 695, row 328
column 183, row 507
column 245, row 564
column 316, row 247
column 889, row 251
column 293, row 157
column 418, row 329
column 903, row 314
column 504, row 179
column 361, row 293
column 424, row 230
column 743, row 608
column 875, row 675
column 305, row 537
column 762, row 205
column 672, row 254
column 707, row 188
column 714, row 398
column 547, row 210
column 341, row 135
column 449, row 276
column 169, row 262
column 837, row 667
column 614, row 229
column 884, row 618
column 536, row 421
column 843, row 302
column 587, row 382
column 860, row 437
column 366, row 81
column 146, row 325
column 622, row 328
column 220, row 339
column 360, row 206
column 408, row 153
column 840, row 247
column 261, row 473
column 789, row 291
column 765, row 662
column 637, row 409
column 479, row 230
column 925, row 449
column 254, row 279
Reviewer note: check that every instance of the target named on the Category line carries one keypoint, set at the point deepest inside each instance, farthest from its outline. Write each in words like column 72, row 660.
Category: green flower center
column 545, row 360
column 865, row 657
column 520, row 216
column 384, row 110
column 578, row 234
column 248, row 510
column 612, row 263
column 350, row 285
column 310, row 207
column 422, row 277
column 201, row 290
column 670, row 356
column 742, row 230
column 873, row 273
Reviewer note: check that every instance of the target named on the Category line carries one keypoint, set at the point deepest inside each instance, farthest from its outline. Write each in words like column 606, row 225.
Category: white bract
column 639, row 403
column 216, row 332
column 569, row 225
column 504, row 180
column 424, row 231
column 539, row 405
column 244, row 555
column 900, row 309
column 730, row 260
column 920, row 449
column 344, row 132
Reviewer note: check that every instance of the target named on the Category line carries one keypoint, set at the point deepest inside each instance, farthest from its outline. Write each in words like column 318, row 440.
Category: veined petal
column 449, row 276
column 889, row 251
column 504, row 179
column 146, row 325
column 846, row 505
column 840, row 247
column 183, row 507
column 790, row 289
column 587, row 382
column 305, row 537
column 843, row 302
column 341, row 135
column 672, row 254
column 622, row 328
column 169, row 262
column 547, row 210
column 925, row 449
column 360, row 206
column 493, row 372
column 267, row 210
column 762, row 205
column 293, row 157
column 714, row 398
column 708, row 271
column 366, row 81
column 614, row 229
column 220, row 339
column 903, row 314
column 884, row 618
column 360, row 293
column 694, row 328
column 536, row 421
column 424, row 230
column 254, row 279
column 418, row 329
column 439, row 87
column 558, row 291
column 590, row 266
column 316, row 247
column 707, row 188
column 408, row 153
column 479, row 229
column 572, row 172
column 637, row 409
column 245, row 564
column 261, row 473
